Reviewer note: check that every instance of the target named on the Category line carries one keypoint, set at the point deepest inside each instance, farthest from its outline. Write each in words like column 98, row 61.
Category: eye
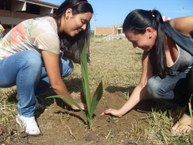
column 83, row 21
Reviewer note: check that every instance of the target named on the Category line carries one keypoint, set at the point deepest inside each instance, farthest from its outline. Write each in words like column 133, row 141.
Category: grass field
column 118, row 65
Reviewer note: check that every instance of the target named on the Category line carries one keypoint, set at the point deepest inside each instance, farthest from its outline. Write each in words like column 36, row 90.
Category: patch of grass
column 7, row 112
column 158, row 131
column 7, row 105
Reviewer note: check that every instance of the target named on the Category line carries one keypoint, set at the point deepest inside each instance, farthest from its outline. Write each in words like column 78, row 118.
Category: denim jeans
column 25, row 69
column 178, row 86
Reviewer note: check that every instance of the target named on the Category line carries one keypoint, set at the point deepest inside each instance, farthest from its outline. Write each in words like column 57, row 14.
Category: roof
column 41, row 3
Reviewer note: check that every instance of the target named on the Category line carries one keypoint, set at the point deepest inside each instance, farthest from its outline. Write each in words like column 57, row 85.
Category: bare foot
column 177, row 113
column 183, row 126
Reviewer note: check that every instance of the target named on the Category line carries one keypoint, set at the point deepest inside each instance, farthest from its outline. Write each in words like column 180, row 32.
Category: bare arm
column 183, row 24
column 51, row 62
column 138, row 93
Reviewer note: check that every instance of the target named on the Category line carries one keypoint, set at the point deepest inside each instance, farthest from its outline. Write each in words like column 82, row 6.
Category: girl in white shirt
column 40, row 51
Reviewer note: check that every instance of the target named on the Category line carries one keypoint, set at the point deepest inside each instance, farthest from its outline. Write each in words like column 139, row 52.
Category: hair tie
column 152, row 13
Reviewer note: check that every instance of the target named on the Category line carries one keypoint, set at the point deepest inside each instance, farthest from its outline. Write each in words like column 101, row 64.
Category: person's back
column 28, row 34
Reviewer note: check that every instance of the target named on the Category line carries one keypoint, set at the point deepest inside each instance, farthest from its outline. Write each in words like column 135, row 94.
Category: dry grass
column 118, row 64
column 115, row 62
column 7, row 105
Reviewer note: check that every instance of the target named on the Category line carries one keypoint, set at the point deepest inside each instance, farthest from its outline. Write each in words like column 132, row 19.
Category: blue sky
column 113, row 12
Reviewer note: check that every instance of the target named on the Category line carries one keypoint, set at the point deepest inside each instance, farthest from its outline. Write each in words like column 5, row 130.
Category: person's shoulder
column 44, row 20
column 183, row 24
column 181, row 20
column 46, row 24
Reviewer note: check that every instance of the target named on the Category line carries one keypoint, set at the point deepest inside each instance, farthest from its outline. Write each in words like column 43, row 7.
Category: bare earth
column 61, row 126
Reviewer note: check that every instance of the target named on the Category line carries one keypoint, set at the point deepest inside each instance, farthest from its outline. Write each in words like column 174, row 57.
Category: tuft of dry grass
column 7, row 112
column 7, row 105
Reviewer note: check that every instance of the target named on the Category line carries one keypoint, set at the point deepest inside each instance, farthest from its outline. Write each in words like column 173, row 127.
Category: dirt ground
column 60, row 126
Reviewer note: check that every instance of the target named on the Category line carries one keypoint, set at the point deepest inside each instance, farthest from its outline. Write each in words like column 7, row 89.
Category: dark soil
column 60, row 126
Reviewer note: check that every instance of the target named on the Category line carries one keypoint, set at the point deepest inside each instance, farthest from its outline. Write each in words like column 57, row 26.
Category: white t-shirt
column 32, row 34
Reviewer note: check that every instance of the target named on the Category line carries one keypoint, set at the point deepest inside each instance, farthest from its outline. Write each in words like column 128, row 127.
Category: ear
column 68, row 13
column 150, row 32
column 149, row 29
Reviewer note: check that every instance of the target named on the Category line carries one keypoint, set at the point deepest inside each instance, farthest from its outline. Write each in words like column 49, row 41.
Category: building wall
column 108, row 30
column 13, row 12
column 104, row 30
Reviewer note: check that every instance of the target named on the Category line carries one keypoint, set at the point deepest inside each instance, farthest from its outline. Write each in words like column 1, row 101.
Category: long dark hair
column 72, row 46
column 137, row 21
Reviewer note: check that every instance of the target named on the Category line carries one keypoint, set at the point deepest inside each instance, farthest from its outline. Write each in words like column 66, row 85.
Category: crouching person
column 43, row 50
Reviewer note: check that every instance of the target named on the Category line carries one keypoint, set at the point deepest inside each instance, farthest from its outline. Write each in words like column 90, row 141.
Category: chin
column 73, row 34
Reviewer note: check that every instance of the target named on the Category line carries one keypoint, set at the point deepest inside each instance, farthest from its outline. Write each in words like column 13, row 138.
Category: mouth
column 77, row 31
column 146, row 49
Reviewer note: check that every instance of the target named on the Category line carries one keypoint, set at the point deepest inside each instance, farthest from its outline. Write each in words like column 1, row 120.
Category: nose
column 83, row 27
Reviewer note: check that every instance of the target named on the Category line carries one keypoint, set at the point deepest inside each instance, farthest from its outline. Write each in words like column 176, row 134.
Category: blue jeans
column 25, row 69
column 178, row 86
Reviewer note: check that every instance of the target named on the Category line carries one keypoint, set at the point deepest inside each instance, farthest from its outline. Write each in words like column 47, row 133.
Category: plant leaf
column 85, row 79
column 96, row 98
column 67, row 100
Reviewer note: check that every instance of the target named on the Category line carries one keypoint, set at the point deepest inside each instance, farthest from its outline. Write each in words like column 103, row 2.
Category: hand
column 82, row 106
column 113, row 112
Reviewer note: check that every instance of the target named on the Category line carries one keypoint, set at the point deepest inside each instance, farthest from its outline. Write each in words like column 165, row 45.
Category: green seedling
column 91, row 101
column 190, row 108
